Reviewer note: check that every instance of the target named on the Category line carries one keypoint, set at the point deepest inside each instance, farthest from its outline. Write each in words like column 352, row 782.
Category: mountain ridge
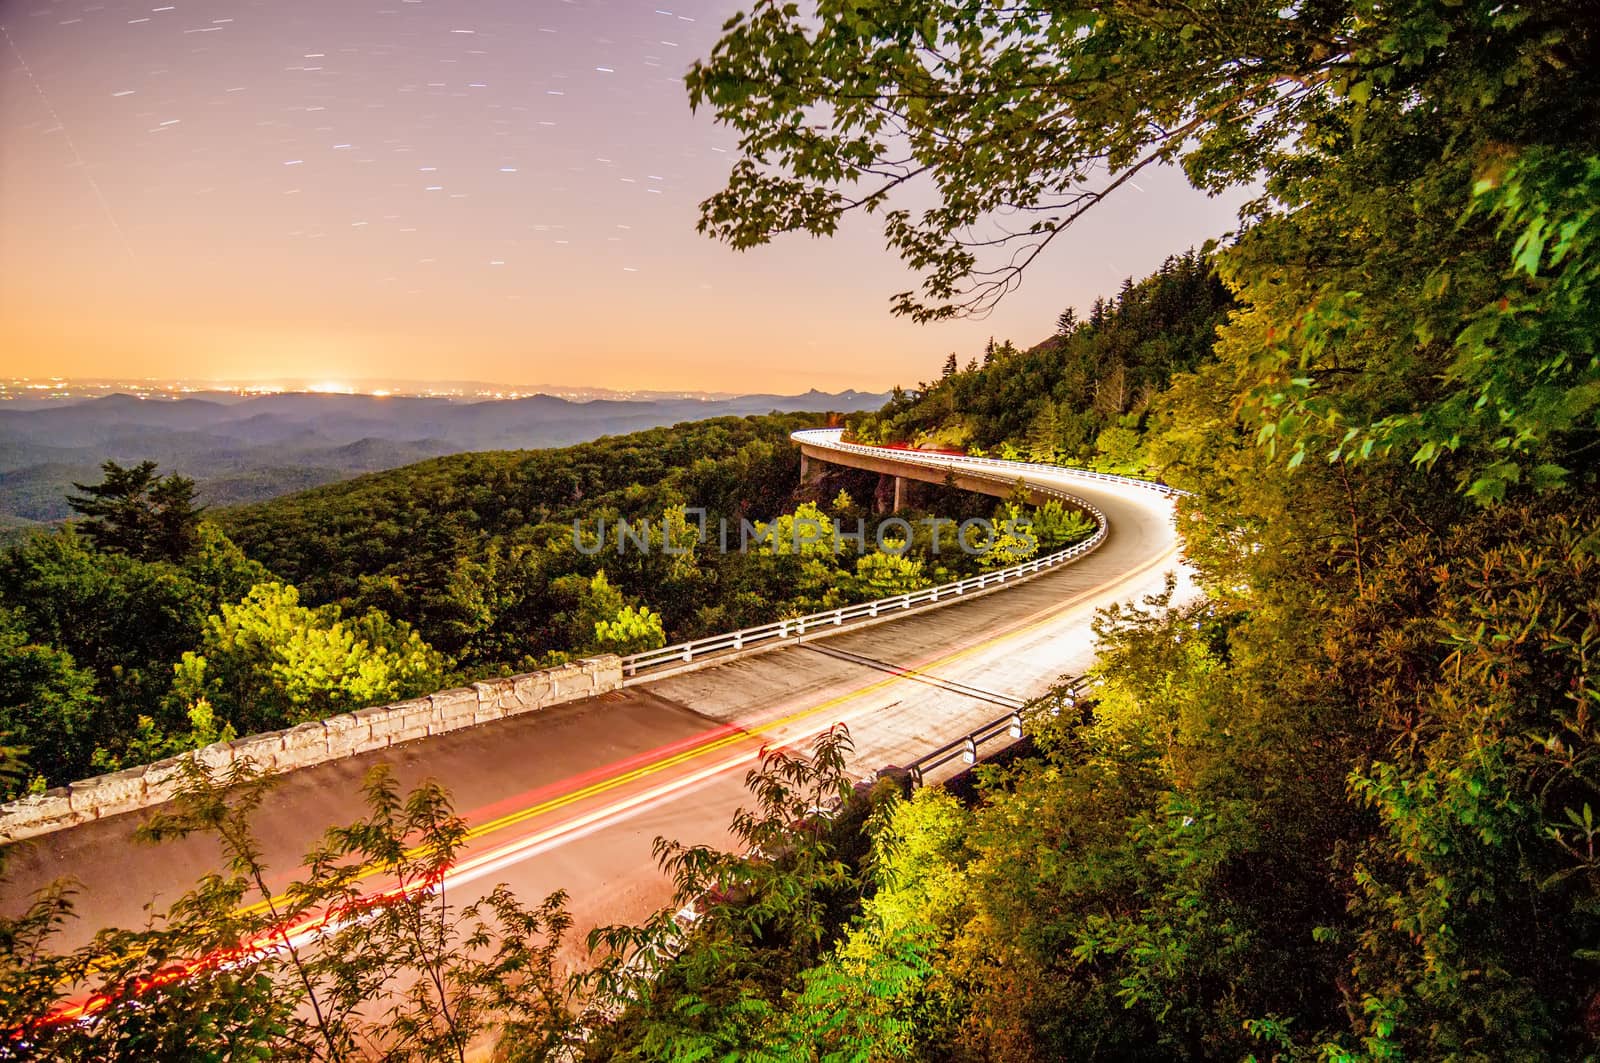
column 257, row 447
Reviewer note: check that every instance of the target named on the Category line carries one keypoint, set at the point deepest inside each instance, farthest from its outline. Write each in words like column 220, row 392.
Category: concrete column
column 899, row 493
column 810, row 469
column 881, row 494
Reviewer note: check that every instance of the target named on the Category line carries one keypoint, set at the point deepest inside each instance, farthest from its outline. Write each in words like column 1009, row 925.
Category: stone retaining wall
column 362, row 731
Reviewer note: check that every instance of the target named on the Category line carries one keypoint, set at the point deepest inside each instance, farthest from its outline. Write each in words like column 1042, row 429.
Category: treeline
column 1083, row 396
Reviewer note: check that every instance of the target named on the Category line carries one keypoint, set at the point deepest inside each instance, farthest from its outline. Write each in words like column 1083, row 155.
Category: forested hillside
column 246, row 449
column 467, row 545
column 1084, row 395
column 151, row 626
column 478, row 550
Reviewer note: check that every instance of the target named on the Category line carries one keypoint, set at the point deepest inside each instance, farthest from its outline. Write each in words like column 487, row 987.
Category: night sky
column 499, row 190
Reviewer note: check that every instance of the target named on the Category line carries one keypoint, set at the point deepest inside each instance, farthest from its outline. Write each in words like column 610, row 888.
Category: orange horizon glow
column 474, row 191
column 480, row 191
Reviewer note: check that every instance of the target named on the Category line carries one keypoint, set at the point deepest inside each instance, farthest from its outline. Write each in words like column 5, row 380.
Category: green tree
column 632, row 630
column 47, row 703
column 1056, row 526
column 881, row 994
column 268, row 661
column 599, row 618
column 1486, row 835
column 884, row 575
column 1013, row 540
column 1044, row 434
column 1117, row 450
column 123, row 623
column 226, row 972
column 137, row 512
column 759, row 918
column 1482, row 358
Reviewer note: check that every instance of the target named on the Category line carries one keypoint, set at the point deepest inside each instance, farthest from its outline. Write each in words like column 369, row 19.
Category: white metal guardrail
column 831, row 438
column 794, row 627
column 1011, row 726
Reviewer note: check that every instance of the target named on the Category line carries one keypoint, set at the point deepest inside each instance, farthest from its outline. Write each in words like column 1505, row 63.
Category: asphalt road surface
column 572, row 797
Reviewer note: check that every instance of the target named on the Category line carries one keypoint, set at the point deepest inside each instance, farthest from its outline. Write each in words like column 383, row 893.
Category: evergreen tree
column 1044, row 434
column 1098, row 312
column 136, row 512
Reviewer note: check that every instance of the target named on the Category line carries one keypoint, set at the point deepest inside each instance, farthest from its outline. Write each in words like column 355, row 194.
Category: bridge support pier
column 810, row 469
column 899, row 493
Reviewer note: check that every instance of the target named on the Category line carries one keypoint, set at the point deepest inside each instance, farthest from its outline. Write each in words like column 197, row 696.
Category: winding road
column 572, row 797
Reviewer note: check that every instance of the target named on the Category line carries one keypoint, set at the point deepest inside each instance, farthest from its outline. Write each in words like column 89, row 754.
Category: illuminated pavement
column 572, row 797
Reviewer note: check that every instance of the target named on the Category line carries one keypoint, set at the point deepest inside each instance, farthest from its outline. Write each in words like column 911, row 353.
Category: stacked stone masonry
column 346, row 735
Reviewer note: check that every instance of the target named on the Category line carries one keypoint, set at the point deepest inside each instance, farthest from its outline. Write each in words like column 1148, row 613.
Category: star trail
column 489, row 189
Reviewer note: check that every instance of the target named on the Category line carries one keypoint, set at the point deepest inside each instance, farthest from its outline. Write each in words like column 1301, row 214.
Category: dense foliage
column 478, row 550
column 1340, row 807
column 1084, row 395
column 230, row 972
column 145, row 630
column 91, row 638
column 1343, row 806
column 479, row 553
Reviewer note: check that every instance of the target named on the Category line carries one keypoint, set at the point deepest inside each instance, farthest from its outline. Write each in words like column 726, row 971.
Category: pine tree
column 1044, row 434
column 138, row 513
